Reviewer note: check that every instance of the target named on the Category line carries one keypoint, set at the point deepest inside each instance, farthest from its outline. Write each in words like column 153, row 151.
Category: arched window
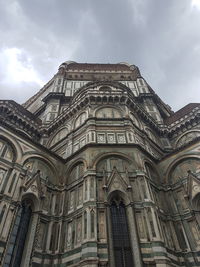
column 18, row 236
column 120, row 234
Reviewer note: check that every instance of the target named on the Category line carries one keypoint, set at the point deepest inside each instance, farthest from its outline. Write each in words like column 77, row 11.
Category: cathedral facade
column 96, row 170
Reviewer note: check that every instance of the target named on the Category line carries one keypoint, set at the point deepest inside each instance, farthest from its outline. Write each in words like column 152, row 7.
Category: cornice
column 181, row 148
column 32, row 140
column 186, row 122
column 17, row 116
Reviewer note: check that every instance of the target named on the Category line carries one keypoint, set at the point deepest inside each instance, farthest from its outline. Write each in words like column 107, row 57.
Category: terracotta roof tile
column 181, row 112
column 98, row 67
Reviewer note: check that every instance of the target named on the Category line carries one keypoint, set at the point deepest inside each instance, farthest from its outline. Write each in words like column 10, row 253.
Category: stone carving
column 121, row 138
column 101, row 138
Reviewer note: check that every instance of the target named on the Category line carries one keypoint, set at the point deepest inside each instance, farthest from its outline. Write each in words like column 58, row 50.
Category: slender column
column 110, row 241
column 134, row 238
column 48, row 236
column 29, row 241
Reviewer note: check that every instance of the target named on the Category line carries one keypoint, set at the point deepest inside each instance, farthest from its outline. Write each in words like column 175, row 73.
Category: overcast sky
column 161, row 37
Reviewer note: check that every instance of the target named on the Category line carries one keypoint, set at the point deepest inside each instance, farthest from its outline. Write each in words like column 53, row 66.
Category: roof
column 98, row 67
column 181, row 113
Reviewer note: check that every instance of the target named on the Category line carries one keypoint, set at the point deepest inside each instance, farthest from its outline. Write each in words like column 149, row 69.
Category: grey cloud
column 160, row 37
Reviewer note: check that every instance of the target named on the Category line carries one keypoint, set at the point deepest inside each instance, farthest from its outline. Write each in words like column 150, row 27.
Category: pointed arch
column 111, row 161
column 111, row 154
column 7, row 150
column 59, row 135
column 187, row 137
column 80, row 119
column 47, row 170
column 180, row 167
column 75, row 171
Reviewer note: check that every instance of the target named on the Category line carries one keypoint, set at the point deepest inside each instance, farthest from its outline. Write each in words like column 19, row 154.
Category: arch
column 108, row 112
column 75, row 171
column 187, row 137
column 7, row 149
column 60, row 134
column 47, row 171
column 107, row 165
column 118, row 193
column 108, row 154
column 34, row 201
column 40, row 156
column 72, row 164
column 80, row 119
column 17, row 150
column 179, row 169
column 24, row 132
